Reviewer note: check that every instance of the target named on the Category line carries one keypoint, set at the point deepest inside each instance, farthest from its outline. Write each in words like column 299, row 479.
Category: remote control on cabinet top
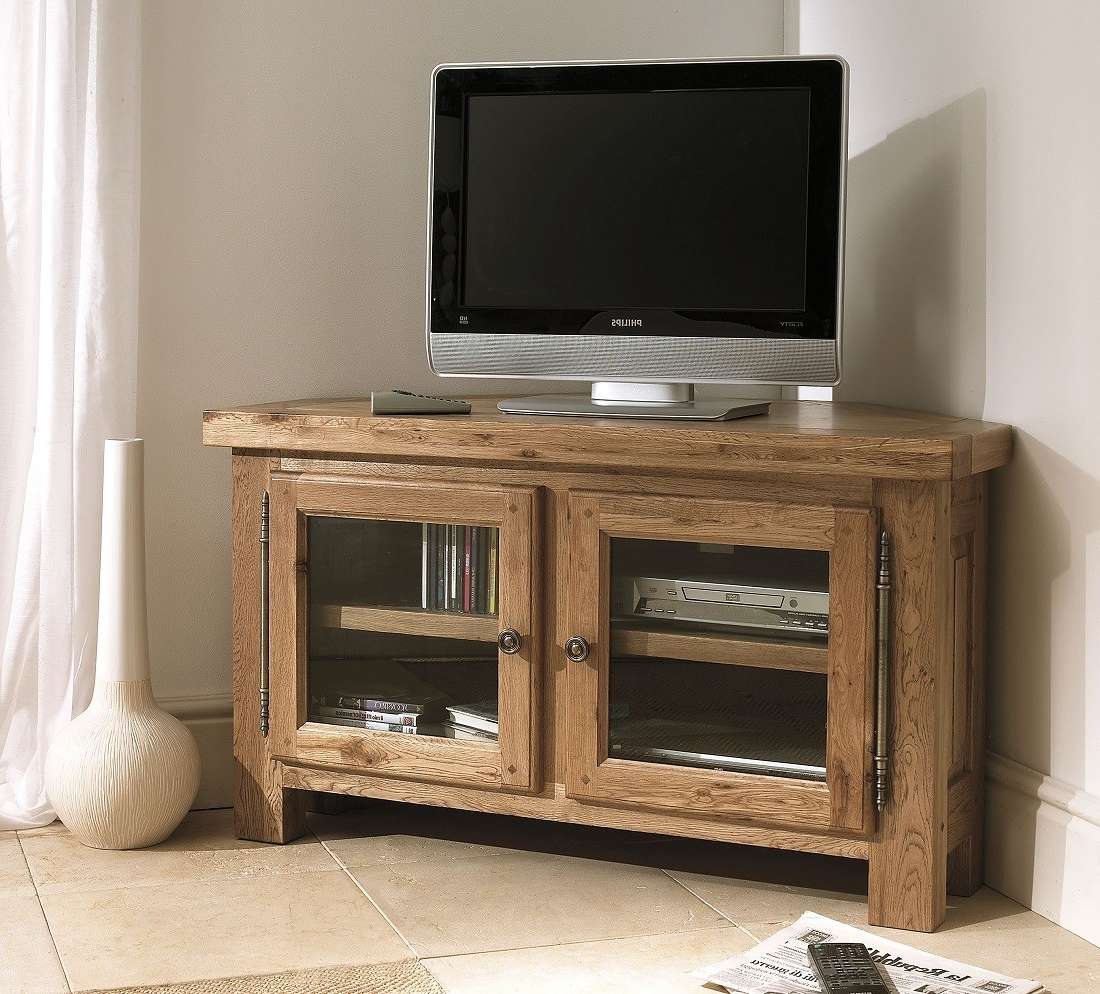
column 846, row 968
column 406, row 402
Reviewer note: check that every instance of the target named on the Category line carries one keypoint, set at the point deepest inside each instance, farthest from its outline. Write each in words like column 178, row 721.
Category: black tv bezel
column 825, row 80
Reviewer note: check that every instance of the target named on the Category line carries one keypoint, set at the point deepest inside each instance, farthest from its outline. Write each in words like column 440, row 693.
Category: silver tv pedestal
column 664, row 401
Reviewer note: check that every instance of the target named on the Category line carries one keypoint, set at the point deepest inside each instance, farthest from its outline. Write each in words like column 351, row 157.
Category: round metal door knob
column 509, row 641
column 577, row 649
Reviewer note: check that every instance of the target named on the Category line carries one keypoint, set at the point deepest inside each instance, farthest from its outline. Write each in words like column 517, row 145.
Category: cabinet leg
column 964, row 868
column 907, row 885
column 266, row 812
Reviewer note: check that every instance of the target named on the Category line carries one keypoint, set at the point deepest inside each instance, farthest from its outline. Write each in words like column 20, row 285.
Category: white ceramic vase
column 124, row 773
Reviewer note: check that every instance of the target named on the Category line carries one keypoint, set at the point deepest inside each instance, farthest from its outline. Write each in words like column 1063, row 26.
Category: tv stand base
column 664, row 401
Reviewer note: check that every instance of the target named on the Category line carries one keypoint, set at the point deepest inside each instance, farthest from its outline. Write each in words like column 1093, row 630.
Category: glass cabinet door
column 412, row 651
column 726, row 649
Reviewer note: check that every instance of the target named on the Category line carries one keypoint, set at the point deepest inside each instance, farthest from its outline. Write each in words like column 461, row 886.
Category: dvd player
column 780, row 610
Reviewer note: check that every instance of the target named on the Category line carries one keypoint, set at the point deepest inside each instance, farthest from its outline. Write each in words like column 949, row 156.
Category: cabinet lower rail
column 551, row 804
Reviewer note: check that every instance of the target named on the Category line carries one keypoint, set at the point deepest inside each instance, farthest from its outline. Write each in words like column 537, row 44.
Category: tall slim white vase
column 124, row 773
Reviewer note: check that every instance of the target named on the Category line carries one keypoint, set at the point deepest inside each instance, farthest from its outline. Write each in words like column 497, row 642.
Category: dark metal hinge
column 881, row 756
column 265, row 626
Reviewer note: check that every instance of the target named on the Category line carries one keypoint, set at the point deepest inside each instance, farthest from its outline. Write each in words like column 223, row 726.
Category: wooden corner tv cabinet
column 530, row 616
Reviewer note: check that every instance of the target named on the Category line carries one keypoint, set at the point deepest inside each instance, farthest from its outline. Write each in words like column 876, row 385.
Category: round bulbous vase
column 123, row 774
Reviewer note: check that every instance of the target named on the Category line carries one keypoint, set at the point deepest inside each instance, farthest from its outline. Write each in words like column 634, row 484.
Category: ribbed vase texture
column 124, row 773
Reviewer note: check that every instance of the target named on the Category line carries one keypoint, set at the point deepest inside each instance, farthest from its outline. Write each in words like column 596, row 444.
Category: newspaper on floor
column 781, row 965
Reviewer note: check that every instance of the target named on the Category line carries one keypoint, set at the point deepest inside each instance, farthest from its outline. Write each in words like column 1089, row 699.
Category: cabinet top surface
column 818, row 437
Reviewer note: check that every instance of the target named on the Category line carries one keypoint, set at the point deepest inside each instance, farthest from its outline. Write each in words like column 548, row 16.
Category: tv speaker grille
column 625, row 357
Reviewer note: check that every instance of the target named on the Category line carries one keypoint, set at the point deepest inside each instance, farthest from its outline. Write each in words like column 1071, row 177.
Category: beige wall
column 974, row 287
column 283, row 204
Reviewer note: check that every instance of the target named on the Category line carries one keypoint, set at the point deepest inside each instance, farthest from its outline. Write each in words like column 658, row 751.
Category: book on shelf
column 452, row 730
column 459, row 568
column 481, row 717
column 366, row 714
column 367, row 725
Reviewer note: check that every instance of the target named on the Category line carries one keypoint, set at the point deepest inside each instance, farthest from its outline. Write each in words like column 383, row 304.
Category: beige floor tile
column 611, row 966
column 203, row 847
column 201, row 929
column 28, row 961
column 755, row 905
column 15, row 880
column 53, row 828
column 520, row 899
column 366, row 838
column 753, row 885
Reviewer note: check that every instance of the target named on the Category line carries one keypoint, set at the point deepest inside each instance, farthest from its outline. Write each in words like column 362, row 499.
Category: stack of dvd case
column 376, row 714
column 459, row 568
column 472, row 721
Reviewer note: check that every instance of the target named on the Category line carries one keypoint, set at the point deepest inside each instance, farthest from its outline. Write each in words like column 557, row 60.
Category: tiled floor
column 489, row 904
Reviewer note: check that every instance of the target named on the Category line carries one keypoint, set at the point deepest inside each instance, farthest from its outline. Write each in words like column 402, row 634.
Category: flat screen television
column 641, row 226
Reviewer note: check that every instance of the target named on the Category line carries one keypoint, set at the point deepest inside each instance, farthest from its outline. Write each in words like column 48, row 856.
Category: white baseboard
column 1043, row 845
column 210, row 718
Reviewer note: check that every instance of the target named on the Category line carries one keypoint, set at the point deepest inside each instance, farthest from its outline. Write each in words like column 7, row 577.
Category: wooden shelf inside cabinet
column 407, row 621
column 715, row 647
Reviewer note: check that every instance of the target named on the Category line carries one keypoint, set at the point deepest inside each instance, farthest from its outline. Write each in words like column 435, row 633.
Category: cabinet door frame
column 843, row 802
column 509, row 763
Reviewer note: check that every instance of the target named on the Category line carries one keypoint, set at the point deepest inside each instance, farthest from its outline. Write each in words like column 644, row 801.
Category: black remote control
column 846, row 968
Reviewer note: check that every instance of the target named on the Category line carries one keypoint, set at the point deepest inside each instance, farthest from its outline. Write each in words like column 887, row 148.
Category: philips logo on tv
column 626, row 322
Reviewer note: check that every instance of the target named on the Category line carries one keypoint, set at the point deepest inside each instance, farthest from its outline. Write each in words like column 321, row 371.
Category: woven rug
column 404, row 977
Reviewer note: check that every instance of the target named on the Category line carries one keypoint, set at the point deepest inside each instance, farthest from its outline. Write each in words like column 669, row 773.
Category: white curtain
column 69, row 194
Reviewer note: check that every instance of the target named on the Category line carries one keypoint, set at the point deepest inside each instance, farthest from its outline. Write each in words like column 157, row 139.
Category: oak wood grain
column 288, row 621
column 406, row 621
column 513, row 758
column 746, row 796
column 592, row 519
column 422, row 757
column 722, row 521
column 963, row 798
column 795, row 437
column 965, row 862
column 802, row 477
column 703, row 481
column 263, row 811
column 557, row 729
column 962, row 566
column 851, row 662
column 520, row 673
column 389, row 500
column 907, row 877
column 587, row 613
column 716, row 647
column 552, row 803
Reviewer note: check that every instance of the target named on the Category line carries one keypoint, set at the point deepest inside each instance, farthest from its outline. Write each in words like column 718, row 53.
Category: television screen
column 675, row 200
